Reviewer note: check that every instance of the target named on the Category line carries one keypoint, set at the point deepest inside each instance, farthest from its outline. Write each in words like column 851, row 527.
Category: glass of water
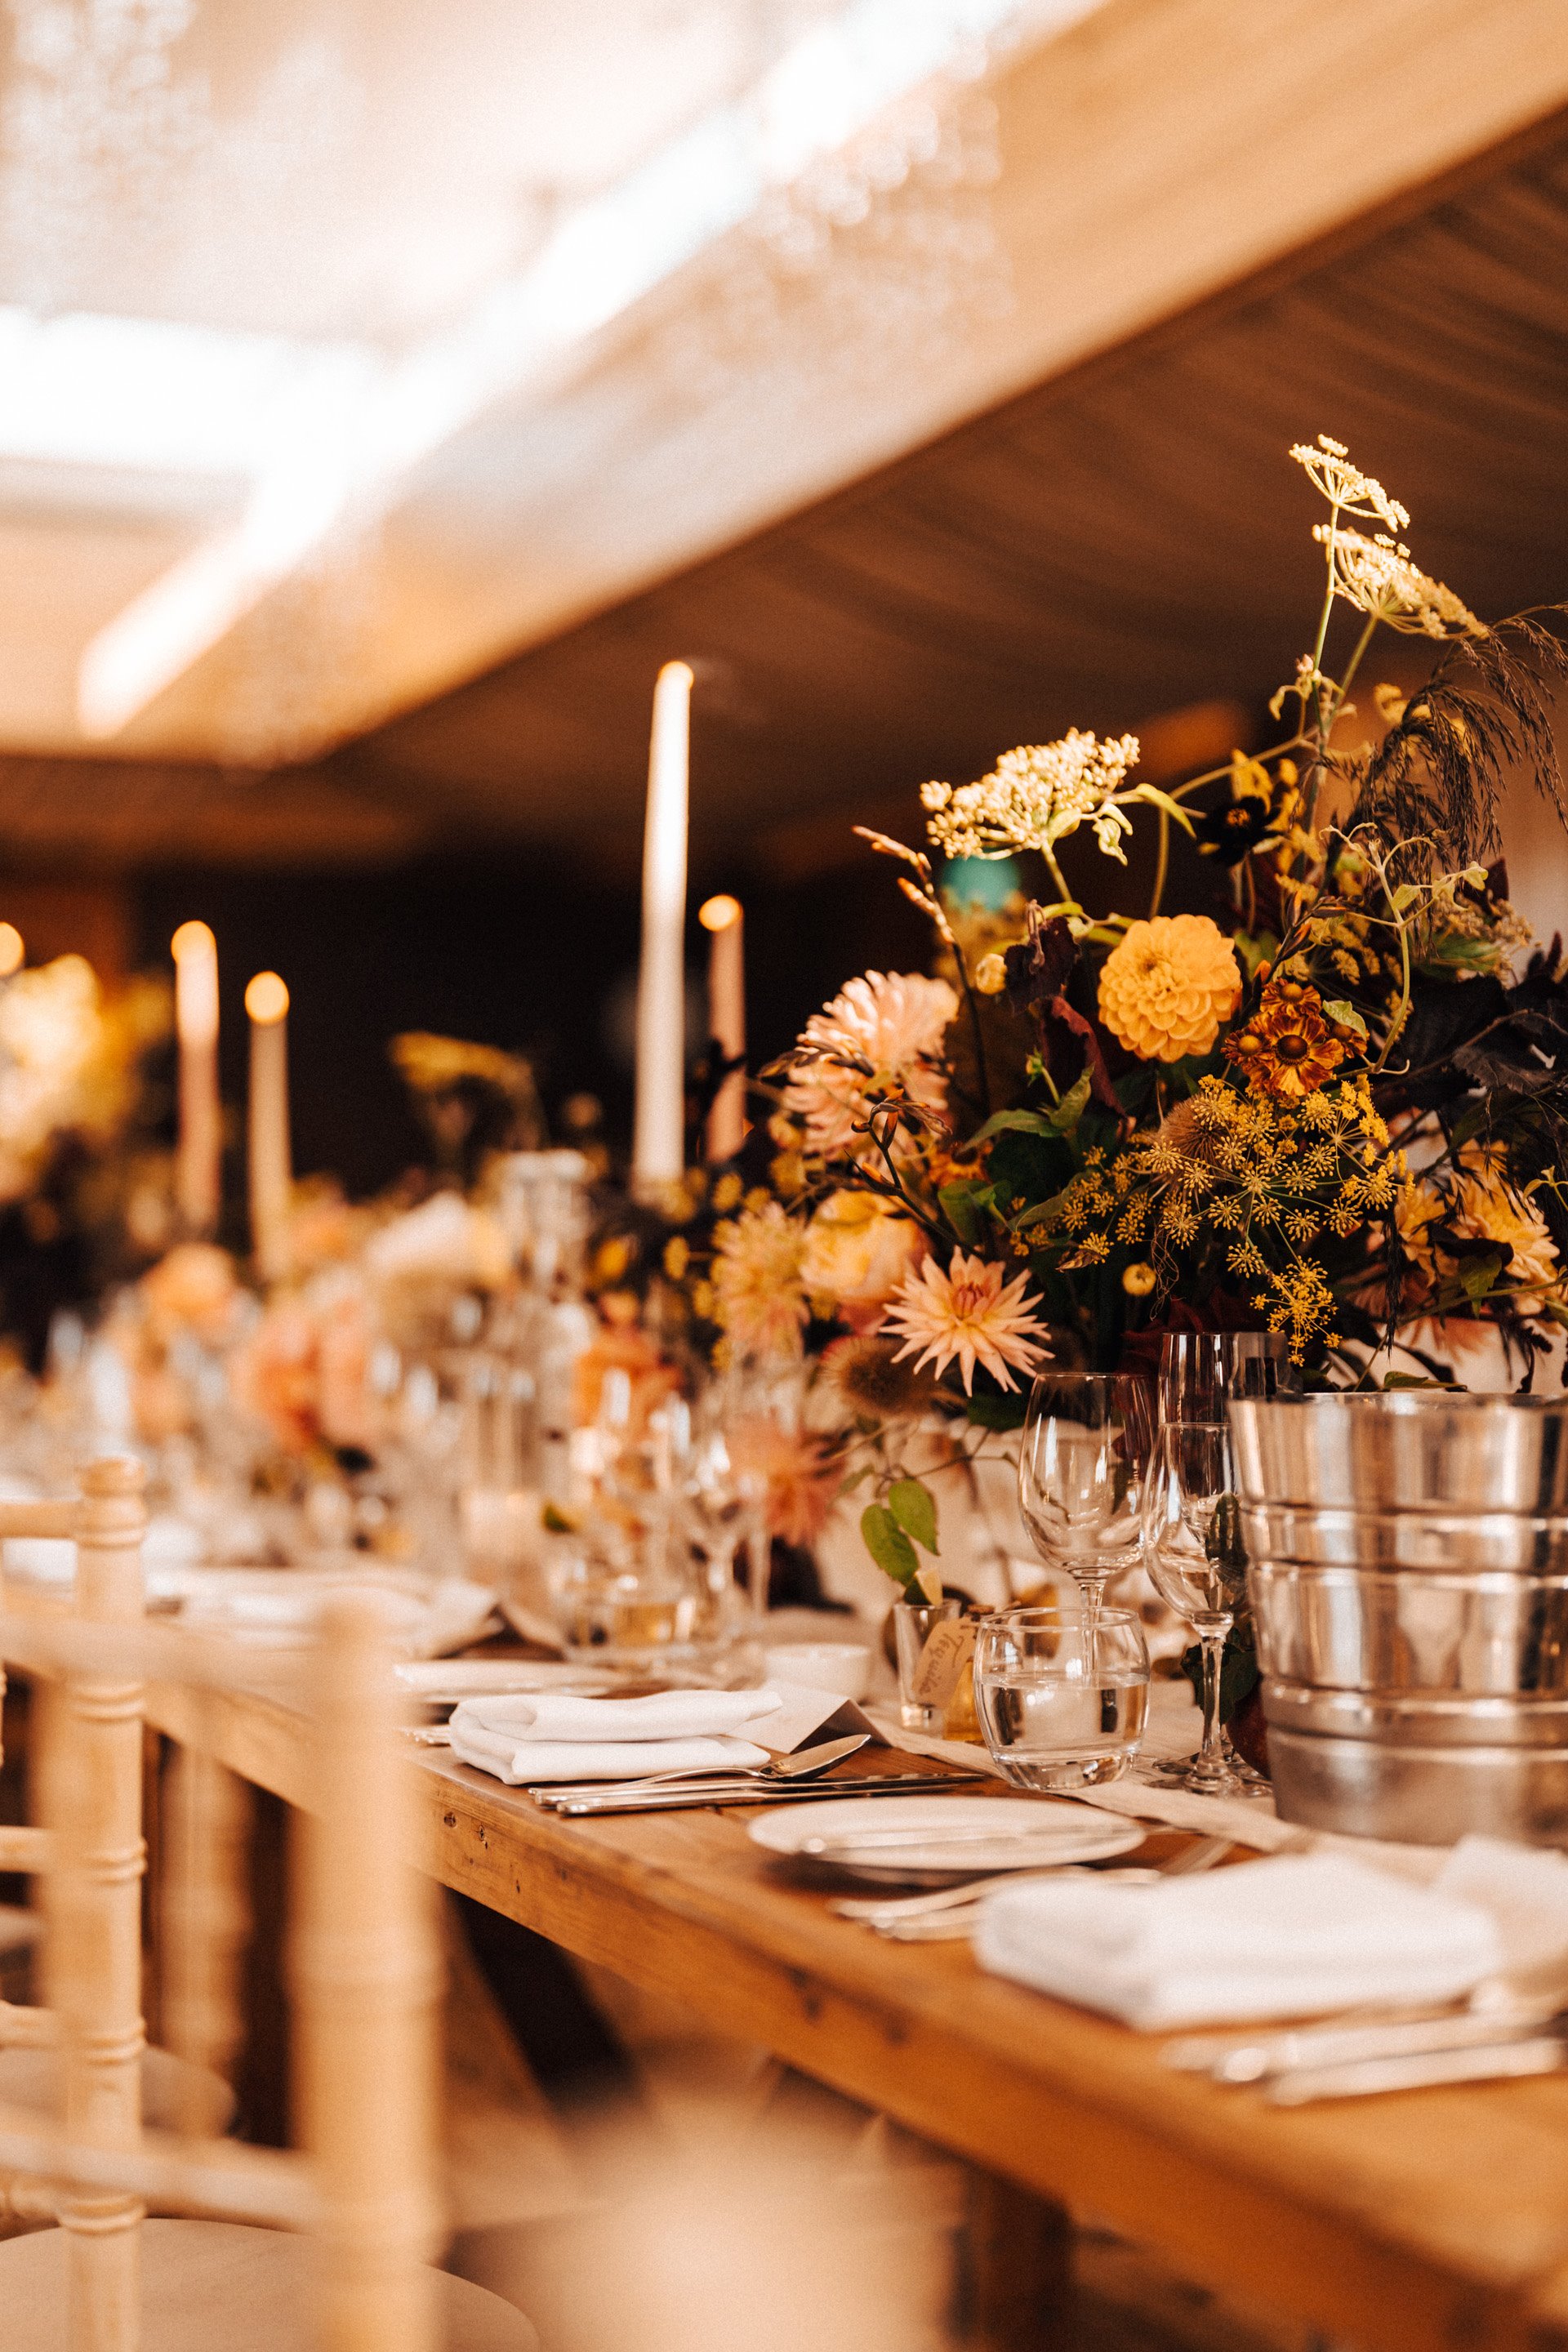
column 1062, row 1701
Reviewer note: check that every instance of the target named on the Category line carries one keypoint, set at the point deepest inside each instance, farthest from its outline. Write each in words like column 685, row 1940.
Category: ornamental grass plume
column 967, row 1314
column 1168, row 987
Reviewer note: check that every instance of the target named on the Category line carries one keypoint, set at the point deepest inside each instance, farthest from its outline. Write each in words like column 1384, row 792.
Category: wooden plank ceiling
column 1124, row 540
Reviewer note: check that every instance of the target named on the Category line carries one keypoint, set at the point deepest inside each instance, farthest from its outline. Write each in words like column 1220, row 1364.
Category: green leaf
column 962, row 1204
column 1470, row 1123
column 1403, row 897
column 1254, row 948
column 914, row 1507
column 1478, row 1275
column 1160, row 799
column 1072, row 1106
column 856, row 1478
column 1345, row 1014
column 1021, row 1122
column 888, row 1544
column 1040, row 1214
column 997, row 1411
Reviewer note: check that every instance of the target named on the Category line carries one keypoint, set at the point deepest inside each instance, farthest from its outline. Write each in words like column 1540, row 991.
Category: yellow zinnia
column 1166, row 989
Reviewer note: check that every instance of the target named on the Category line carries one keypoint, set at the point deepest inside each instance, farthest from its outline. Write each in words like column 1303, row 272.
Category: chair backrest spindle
column 90, row 1787
column 366, row 1979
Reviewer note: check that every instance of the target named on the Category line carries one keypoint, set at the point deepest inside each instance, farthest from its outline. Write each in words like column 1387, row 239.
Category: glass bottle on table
column 1197, row 1562
column 1083, row 1466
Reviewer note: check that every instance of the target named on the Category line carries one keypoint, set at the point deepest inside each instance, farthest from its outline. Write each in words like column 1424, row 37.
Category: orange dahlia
column 1166, row 989
column 1287, row 1049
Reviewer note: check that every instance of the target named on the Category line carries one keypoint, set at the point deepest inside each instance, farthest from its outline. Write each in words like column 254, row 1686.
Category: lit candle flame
column 267, row 998
column 194, row 951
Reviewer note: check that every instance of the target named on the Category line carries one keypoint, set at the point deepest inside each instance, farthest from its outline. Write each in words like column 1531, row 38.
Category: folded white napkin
column 1525, row 1890
column 544, row 1737
column 1294, row 1937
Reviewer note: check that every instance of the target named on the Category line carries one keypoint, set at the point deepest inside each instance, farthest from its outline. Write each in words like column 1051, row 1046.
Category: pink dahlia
column 969, row 1313
column 882, row 1034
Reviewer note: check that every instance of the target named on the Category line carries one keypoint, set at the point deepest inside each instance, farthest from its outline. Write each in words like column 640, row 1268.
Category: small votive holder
column 933, row 1648
column 1062, row 1701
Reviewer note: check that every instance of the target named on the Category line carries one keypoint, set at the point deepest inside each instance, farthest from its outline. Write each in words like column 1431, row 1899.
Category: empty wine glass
column 764, row 1398
column 721, row 1513
column 1200, row 1369
column 1198, row 1563
column 1081, row 1472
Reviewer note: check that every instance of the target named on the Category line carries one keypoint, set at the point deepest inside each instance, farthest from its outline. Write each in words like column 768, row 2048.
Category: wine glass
column 721, row 1512
column 1199, row 1369
column 1081, row 1471
column 761, row 1401
column 1197, row 1561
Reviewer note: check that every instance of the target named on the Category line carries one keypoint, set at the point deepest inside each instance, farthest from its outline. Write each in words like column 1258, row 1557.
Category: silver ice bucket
column 1409, row 1581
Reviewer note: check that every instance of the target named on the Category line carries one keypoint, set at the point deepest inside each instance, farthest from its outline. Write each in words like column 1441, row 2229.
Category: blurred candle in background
column 198, row 1167
column 723, row 918
column 658, row 1153
column 271, row 1169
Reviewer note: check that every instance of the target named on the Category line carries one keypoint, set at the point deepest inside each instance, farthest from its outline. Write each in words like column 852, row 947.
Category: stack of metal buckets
column 1409, row 1579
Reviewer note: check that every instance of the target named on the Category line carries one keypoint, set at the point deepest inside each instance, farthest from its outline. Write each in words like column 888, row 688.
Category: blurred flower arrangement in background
column 1333, row 1103
column 85, row 1177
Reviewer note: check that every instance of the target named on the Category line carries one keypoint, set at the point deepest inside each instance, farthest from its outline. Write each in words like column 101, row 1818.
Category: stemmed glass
column 720, row 1513
column 1198, row 1563
column 1199, row 1369
column 1081, row 1472
column 761, row 1401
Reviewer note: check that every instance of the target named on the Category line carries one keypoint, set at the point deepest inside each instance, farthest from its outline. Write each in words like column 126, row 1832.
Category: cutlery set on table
column 1351, row 2057
column 785, row 1780
column 1048, row 1889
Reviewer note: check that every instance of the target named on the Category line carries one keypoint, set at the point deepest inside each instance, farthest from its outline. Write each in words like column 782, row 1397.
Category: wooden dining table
column 1431, row 2219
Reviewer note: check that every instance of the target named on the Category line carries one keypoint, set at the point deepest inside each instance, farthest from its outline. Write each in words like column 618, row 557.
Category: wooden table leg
column 1016, row 2284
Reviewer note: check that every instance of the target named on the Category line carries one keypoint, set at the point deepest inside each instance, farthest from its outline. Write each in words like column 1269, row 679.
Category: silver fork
column 954, row 1922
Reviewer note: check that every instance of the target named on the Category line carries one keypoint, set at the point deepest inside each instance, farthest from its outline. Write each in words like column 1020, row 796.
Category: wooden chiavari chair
column 335, row 2256
column 106, row 1524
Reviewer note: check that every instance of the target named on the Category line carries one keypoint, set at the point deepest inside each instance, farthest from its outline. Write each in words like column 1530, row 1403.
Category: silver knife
column 681, row 1795
column 1236, row 2059
column 1498, row 2062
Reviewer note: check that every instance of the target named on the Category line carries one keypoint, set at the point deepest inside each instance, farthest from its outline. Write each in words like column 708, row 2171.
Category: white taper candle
column 272, row 1163
column 724, row 920
column 199, row 1165
column 658, row 1136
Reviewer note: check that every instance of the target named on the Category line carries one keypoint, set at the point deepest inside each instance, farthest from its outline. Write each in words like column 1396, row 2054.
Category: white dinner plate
column 935, row 1839
column 447, row 1682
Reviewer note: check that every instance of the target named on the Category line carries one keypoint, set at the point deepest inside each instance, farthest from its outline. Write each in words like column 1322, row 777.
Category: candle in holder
column 723, row 919
column 271, row 1169
column 198, row 1167
column 659, row 1143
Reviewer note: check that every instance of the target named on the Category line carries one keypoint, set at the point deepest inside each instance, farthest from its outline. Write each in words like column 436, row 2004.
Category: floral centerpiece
column 1333, row 1103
